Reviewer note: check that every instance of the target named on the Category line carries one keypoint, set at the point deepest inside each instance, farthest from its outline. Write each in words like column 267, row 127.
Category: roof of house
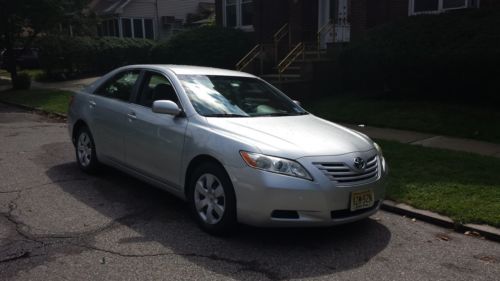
column 108, row 7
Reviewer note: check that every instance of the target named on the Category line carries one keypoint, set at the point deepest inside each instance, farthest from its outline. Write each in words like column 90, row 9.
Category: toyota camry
column 232, row 145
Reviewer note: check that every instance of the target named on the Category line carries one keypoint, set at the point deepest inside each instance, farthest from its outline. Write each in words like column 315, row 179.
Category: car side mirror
column 166, row 107
column 297, row 102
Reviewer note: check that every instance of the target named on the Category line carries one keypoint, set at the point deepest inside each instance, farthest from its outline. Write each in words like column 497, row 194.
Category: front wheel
column 212, row 199
column 86, row 156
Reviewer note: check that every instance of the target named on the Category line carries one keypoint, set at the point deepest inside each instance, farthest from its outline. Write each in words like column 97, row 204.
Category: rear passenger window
column 156, row 87
column 121, row 86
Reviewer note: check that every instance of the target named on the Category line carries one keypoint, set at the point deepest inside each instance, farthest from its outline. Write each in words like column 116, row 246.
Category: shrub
column 205, row 46
column 451, row 54
column 63, row 56
column 22, row 82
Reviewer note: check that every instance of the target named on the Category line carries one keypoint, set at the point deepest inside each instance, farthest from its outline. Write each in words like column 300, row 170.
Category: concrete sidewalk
column 430, row 140
column 70, row 85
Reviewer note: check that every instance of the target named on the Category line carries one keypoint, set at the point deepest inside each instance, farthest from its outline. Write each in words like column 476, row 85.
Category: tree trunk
column 9, row 50
column 11, row 64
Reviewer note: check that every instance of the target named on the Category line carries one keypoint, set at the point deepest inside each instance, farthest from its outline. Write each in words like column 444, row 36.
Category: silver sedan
column 232, row 145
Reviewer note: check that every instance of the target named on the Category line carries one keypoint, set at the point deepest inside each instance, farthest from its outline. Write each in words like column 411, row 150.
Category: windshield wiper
column 225, row 115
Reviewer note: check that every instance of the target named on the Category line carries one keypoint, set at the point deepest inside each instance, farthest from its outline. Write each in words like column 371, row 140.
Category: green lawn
column 464, row 186
column 3, row 75
column 35, row 74
column 460, row 120
column 47, row 99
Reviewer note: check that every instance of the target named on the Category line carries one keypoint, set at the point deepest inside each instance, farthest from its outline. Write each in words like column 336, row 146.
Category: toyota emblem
column 359, row 163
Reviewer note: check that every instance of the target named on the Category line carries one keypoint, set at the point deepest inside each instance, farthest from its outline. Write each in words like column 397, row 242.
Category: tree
column 22, row 21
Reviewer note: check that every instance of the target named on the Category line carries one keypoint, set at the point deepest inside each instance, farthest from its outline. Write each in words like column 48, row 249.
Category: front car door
column 154, row 142
column 109, row 106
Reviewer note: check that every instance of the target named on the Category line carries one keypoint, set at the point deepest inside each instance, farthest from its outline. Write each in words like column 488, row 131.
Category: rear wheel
column 86, row 156
column 212, row 199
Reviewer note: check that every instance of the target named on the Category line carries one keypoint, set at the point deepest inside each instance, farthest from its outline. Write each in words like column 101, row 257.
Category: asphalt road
column 57, row 223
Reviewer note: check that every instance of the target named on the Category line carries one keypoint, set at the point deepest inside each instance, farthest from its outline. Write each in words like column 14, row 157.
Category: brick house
column 289, row 33
column 151, row 19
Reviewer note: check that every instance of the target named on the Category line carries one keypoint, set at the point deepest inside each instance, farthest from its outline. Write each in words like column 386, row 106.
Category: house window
column 148, row 29
column 239, row 14
column 126, row 28
column 436, row 6
column 137, row 28
column 108, row 28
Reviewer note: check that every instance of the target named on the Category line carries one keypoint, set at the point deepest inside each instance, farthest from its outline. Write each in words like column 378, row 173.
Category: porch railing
column 280, row 34
column 254, row 53
column 296, row 52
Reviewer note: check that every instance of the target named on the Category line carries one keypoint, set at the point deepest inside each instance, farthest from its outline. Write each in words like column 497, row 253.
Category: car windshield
column 228, row 96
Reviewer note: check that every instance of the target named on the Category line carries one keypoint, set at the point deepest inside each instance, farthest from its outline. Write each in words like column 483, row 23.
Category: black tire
column 225, row 224
column 88, row 162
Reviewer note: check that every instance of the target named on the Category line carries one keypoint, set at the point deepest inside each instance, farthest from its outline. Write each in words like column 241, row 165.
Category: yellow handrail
column 291, row 57
column 278, row 35
column 249, row 57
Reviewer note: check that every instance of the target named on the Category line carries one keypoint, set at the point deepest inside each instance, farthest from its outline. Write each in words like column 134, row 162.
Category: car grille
column 343, row 174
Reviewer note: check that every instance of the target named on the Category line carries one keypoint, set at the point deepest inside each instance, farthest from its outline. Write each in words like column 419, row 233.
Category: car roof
column 194, row 70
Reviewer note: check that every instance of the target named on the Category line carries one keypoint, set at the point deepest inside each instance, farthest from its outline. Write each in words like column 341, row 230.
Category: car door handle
column 132, row 116
column 92, row 103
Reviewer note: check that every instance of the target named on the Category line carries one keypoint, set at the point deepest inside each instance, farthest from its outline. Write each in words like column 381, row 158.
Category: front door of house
column 333, row 22
column 341, row 19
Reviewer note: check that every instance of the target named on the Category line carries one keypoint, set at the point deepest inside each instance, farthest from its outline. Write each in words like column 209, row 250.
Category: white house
column 151, row 19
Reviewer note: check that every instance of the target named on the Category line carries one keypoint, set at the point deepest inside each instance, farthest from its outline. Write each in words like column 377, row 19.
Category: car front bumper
column 320, row 202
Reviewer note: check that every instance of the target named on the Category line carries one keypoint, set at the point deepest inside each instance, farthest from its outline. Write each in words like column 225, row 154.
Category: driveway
column 57, row 223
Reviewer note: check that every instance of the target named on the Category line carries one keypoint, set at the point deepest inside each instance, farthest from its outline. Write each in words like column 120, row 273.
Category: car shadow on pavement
column 146, row 221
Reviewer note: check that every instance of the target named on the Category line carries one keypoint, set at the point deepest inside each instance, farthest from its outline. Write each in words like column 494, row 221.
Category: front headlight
column 275, row 165
column 378, row 148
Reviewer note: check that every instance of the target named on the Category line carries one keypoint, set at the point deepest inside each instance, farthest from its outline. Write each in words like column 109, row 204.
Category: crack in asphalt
column 47, row 240
column 252, row 266
column 24, row 255
column 69, row 235
column 38, row 185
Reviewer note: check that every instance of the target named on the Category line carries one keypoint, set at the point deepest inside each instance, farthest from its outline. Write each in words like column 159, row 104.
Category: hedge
column 61, row 57
column 205, row 46
column 457, row 53
column 76, row 55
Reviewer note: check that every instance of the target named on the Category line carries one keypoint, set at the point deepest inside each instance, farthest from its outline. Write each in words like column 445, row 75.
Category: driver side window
column 121, row 86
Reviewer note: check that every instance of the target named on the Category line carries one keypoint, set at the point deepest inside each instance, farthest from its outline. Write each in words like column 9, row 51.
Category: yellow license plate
column 361, row 199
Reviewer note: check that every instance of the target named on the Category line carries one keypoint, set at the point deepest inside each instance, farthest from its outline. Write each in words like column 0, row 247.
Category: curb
column 488, row 232
column 36, row 110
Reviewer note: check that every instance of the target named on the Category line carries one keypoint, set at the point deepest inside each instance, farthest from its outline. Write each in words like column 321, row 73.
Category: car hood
column 293, row 136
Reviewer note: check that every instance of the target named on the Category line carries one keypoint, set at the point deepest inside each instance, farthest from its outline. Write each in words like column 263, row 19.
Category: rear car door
column 109, row 106
column 154, row 142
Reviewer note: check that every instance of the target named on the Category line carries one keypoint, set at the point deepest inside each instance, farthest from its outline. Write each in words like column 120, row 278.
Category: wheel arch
column 78, row 125
column 196, row 162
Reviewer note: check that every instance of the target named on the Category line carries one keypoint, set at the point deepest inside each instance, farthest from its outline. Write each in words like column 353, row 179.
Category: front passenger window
column 121, row 86
column 156, row 87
